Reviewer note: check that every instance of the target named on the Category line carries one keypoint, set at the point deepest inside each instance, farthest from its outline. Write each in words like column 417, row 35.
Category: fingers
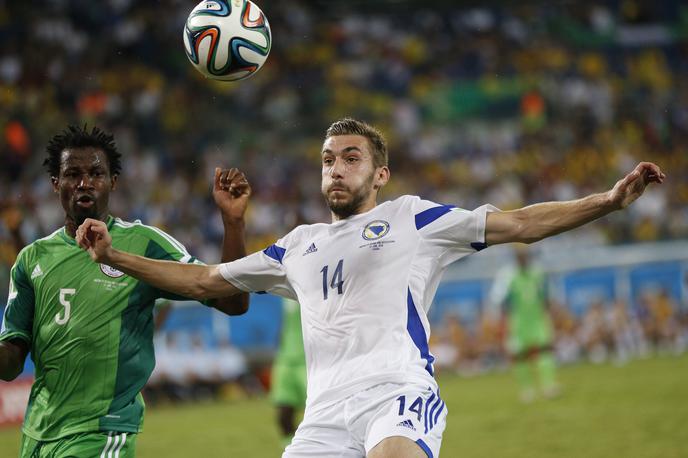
column 216, row 181
column 231, row 180
column 651, row 172
column 85, row 232
column 81, row 234
column 630, row 178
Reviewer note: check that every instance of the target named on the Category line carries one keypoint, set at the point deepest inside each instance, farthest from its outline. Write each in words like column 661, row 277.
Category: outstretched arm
column 12, row 356
column 231, row 192
column 188, row 280
column 536, row 222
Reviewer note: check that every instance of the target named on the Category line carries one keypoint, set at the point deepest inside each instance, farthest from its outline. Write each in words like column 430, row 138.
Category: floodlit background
column 509, row 103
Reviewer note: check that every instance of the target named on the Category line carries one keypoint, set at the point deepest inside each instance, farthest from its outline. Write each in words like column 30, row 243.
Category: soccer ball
column 227, row 40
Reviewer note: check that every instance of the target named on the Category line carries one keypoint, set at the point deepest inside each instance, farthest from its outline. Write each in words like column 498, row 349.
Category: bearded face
column 349, row 178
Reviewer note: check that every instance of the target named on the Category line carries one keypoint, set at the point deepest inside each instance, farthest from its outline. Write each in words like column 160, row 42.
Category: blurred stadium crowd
column 611, row 332
column 508, row 104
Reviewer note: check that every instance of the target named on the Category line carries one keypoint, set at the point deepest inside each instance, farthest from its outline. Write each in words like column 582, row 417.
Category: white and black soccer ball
column 227, row 40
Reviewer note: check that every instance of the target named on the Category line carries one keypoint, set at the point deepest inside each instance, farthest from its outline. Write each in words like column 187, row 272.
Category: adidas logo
column 311, row 249
column 407, row 424
column 37, row 272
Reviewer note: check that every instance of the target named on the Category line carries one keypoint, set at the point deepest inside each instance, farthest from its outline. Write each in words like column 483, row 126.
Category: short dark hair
column 79, row 137
column 350, row 126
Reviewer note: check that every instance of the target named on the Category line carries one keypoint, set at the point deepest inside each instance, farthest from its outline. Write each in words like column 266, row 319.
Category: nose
column 85, row 181
column 337, row 170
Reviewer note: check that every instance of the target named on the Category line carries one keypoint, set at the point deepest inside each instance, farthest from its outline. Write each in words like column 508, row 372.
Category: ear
column 381, row 177
column 55, row 181
column 113, row 182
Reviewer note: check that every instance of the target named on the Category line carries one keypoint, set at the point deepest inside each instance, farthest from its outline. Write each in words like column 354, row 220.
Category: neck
column 71, row 225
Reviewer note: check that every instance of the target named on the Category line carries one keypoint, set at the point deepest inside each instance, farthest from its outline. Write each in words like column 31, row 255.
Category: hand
column 231, row 192
column 93, row 236
column 632, row 186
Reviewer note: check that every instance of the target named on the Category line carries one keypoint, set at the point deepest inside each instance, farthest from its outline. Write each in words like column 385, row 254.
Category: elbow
column 195, row 291
column 525, row 230
column 233, row 305
column 238, row 309
column 10, row 375
column 241, row 304
column 529, row 239
column 200, row 287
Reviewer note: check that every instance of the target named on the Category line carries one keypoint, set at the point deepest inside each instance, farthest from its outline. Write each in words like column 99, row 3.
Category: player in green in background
column 530, row 334
column 89, row 327
column 288, row 389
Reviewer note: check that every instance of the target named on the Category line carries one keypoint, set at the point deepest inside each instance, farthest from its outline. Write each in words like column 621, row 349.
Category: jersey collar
column 70, row 240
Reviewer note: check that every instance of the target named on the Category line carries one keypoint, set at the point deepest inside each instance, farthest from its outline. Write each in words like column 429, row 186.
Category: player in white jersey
column 364, row 283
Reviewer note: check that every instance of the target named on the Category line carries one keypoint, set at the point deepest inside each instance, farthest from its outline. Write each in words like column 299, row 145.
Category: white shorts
column 351, row 427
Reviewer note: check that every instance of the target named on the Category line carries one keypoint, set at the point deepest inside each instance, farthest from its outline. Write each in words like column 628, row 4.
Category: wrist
column 609, row 201
column 109, row 257
column 233, row 221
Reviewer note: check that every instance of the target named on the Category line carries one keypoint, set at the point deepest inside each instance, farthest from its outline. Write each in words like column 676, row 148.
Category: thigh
column 398, row 447
column 415, row 413
column 323, row 433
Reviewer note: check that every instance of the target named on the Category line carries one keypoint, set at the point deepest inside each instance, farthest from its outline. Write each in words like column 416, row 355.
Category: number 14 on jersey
column 337, row 279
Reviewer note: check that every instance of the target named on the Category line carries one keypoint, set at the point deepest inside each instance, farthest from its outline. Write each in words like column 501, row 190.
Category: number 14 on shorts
column 427, row 412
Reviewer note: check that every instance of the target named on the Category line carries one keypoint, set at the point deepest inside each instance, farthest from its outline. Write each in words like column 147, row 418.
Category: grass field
column 638, row 410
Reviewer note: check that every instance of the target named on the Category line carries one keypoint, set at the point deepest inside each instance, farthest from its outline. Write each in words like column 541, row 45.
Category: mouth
column 337, row 189
column 85, row 201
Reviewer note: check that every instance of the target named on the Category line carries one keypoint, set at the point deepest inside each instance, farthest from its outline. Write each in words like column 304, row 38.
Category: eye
column 328, row 161
column 351, row 159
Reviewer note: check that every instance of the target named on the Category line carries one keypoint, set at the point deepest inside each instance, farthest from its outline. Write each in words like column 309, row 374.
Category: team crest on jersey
column 375, row 230
column 111, row 271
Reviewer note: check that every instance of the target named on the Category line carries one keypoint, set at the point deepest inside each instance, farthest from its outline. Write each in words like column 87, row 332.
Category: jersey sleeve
column 17, row 319
column 262, row 271
column 450, row 233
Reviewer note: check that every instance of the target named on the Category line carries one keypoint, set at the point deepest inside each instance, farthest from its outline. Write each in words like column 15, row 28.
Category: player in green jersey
column 89, row 327
column 288, row 389
column 530, row 338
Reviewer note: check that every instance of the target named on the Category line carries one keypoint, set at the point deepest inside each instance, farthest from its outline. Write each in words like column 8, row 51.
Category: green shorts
column 288, row 385
column 81, row 445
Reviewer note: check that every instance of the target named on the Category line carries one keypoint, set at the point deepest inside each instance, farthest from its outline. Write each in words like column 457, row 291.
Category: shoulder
column 137, row 228
column 39, row 247
column 301, row 233
column 417, row 204
column 145, row 233
column 297, row 237
column 405, row 201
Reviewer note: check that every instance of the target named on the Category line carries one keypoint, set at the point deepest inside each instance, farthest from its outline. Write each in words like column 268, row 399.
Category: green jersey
column 528, row 318
column 90, row 330
column 291, row 344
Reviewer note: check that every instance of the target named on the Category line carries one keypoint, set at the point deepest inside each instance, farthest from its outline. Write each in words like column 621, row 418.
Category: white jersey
column 365, row 284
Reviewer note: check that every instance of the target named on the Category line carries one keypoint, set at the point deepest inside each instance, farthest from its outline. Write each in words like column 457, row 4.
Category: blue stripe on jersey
column 275, row 252
column 431, row 214
column 417, row 332
column 425, row 447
